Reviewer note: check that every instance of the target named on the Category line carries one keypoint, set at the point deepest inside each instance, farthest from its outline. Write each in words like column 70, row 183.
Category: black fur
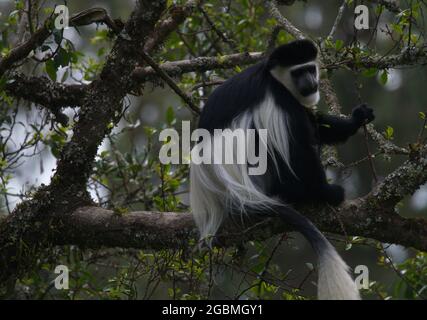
column 247, row 89
column 244, row 90
column 293, row 53
column 307, row 183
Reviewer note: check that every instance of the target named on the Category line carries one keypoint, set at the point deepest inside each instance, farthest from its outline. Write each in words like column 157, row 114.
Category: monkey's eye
column 305, row 80
column 311, row 69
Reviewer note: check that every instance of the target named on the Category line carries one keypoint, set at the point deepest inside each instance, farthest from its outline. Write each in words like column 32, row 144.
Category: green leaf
column 422, row 116
column 2, row 83
column 62, row 58
column 51, row 69
column 384, row 77
column 397, row 28
column 379, row 10
column 65, row 75
column 328, row 43
column 388, row 134
column 75, row 55
column 149, row 131
column 57, row 36
column 170, row 116
column 19, row 5
column 369, row 73
column 339, row 44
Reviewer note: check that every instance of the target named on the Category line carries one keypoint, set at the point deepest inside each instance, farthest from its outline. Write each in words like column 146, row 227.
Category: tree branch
column 28, row 223
column 43, row 91
column 390, row 5
column 93, row 227
column 39, row 36
column 22, row 51
column 176, row 16
column 285, row 23
column 95, row 15
column 200, row 64
column 337, row 19
column 372, row 216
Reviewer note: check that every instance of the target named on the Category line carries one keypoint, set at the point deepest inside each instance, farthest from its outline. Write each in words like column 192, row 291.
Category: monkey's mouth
column 306, row 91
column 306, row 86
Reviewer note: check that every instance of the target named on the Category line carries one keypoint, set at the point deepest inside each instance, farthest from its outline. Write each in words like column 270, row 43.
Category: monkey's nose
column 309, row 89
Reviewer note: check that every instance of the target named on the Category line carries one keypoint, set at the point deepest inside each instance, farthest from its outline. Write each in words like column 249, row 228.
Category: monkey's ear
column 272, row 62
column 275, row 58
column 293, row 53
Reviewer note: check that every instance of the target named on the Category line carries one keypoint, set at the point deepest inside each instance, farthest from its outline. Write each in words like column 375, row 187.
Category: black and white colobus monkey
column 275, row 95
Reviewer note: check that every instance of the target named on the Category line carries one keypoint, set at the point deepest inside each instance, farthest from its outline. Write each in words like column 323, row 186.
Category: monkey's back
column 243, row 91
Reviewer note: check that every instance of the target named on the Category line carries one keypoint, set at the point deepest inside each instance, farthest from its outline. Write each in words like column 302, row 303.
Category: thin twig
column 401, row 275
column 207, row 84
column 285, row 23
column 218, row 32
column 273, row 37
column 421, row 134
column 370, row 157
column 337, row 20
column 171, row 83
column 366, row 134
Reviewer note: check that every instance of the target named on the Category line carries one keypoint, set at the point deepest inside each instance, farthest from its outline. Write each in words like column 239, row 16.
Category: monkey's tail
column 334, row 280
column 216, row 190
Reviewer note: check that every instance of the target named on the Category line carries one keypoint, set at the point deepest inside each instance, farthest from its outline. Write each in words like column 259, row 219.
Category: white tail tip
column 335, row 282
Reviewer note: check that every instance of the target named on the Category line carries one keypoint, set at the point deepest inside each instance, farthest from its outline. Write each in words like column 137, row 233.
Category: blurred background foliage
column 128, row 176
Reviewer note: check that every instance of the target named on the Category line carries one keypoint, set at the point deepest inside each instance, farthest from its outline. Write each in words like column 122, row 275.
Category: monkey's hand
column 362, row 114
column 332, row 194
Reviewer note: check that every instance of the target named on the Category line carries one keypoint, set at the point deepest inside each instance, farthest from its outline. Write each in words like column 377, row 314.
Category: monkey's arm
column 334, row 130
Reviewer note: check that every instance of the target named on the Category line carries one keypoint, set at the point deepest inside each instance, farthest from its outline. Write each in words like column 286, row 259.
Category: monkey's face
column 305, row 79
column 301, row 80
